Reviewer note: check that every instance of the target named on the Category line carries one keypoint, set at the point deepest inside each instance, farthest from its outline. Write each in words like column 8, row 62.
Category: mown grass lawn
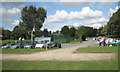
column 59, row 65
column 67, row 65
column 25, row 50
column 98, row 49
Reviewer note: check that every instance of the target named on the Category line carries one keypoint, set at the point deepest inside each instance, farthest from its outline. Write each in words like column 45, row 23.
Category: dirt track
column 64, row 54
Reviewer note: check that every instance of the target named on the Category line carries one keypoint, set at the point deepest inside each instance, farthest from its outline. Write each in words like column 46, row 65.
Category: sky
column 59, row 14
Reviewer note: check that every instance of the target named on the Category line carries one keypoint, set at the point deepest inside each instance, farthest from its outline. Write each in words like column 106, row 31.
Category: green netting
column 63, row 38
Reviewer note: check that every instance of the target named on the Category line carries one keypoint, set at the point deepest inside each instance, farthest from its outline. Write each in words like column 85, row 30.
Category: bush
column 80, row 39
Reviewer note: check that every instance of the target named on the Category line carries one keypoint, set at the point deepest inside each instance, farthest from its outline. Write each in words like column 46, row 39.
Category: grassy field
column 13, row 41
column 60, row 65
column 25, row 50
column 66, row 65
column 99, row 49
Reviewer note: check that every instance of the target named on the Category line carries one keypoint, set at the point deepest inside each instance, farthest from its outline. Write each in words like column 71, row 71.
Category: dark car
column 30, row 45
column 54, row 44
column 18, row 45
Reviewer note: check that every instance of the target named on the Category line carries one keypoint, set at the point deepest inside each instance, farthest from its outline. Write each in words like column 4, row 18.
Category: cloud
column 97, row 20
column 97, row 25
column 13, row 12
column 63, row 16
column 15, row 22
column 86, row 13
column 60, row 16
column 76, row 25
column 113, row 10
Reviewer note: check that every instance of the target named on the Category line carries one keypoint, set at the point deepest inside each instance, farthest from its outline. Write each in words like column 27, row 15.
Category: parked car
column 30, row 45
column 39, row 46
column 18, row 45
column 8, row 45
column 54, row 44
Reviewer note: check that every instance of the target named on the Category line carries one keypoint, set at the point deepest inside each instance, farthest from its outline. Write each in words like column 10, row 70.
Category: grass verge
column 102, row 49
column 59, row 65
column 25, row 50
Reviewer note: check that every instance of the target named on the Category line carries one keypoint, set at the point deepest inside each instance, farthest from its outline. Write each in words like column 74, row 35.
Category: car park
column 54, row 44
column 17, row 45
column 42, row 42
column 8, row 45
column 30, row 45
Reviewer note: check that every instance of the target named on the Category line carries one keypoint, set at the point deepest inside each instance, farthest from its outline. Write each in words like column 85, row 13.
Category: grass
column 64, row 65
column 25, row 50
column 60, row 65
column 13, row 41
column 102, row 49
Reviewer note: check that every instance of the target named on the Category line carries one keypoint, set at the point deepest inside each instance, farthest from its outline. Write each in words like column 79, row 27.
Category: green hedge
column 63, row 38
column 13, row 41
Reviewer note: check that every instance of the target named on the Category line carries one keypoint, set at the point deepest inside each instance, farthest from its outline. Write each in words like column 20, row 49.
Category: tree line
column 32, row 18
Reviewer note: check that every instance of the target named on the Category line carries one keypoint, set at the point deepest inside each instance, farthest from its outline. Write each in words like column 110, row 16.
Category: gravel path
column 66, row 53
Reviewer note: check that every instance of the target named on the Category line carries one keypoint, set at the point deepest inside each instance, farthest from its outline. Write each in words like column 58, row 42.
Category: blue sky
column 93, row 14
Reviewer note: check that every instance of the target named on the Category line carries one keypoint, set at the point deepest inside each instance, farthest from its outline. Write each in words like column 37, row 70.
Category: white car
column 39, row 45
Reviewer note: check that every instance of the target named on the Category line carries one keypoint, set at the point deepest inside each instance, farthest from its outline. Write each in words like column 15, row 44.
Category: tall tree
column 114, row 25
column 33, row 18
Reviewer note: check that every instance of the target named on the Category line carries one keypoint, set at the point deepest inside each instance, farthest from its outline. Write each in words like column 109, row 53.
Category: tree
column 85, row 31
column 99, row 31
column 72, row 32
column 45, row 32
column 65, row 30
column 15, row 33
column 33, row 18
column 104, row 30
column 38, row 33
column 49, row 32
column 56, row 32
column 6, row 34
column 114, row 25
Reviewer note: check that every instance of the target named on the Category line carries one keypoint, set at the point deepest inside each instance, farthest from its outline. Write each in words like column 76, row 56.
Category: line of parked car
column 32, row 45
column 108, row 41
